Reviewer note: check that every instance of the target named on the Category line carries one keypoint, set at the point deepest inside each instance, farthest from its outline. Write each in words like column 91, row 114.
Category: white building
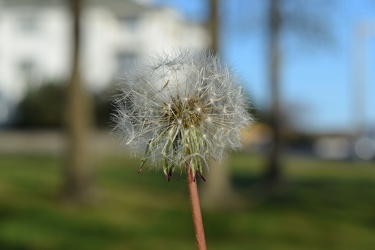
column 35, row 41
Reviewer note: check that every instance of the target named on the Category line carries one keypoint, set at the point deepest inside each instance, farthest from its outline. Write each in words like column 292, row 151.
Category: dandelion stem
column 196, row 209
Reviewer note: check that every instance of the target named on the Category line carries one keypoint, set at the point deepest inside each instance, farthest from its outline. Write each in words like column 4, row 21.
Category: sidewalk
column 53, row 142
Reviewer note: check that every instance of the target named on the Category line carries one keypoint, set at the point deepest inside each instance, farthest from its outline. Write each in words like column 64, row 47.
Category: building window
column 26, row 71
column 4, row 110
column 130, row 23
column 125, row 62
column 28, row 24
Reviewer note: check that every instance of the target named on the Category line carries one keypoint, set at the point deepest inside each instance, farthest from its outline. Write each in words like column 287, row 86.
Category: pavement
column 53, row 142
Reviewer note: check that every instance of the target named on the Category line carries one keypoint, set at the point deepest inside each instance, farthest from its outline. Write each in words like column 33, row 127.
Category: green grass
column 324, row 205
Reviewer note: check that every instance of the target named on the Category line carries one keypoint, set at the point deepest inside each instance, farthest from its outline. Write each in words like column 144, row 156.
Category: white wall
column 47, row 43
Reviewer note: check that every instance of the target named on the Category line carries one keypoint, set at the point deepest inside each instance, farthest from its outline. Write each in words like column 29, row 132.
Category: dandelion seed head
column 181, row 109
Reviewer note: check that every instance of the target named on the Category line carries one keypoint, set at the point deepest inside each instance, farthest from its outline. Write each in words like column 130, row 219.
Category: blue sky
column 317, row 81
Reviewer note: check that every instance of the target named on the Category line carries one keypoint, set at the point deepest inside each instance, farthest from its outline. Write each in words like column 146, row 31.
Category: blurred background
column 304, row 180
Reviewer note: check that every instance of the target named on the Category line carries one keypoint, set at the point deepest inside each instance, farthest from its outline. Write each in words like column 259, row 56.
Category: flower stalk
column 196, row 209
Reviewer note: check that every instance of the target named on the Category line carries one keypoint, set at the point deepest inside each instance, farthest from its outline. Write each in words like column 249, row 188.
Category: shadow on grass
column 328, row 198
column 316, row 210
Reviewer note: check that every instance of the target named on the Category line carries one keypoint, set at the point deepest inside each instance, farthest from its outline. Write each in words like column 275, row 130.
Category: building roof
column 120, row 7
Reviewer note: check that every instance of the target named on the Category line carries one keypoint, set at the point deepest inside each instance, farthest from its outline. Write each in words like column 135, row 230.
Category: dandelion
column 179, row 112
column 181, row 109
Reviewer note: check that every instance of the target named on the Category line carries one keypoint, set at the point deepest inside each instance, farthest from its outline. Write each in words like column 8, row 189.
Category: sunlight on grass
column 325, row 205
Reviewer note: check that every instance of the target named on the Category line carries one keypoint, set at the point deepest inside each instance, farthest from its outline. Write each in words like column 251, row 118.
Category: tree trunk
column 78, row 120
column 217, row 191
column 214, row 25
column 273, row 172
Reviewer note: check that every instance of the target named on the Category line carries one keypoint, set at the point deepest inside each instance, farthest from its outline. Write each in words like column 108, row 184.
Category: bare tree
column 217, row 191
column 214, row 24
column 78, row 119
column 274, row 24
column 296, row 18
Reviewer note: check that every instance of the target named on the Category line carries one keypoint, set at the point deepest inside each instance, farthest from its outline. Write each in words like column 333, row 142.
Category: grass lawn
column 325, row 205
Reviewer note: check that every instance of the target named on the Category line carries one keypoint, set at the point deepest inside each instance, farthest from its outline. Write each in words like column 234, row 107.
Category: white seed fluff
column 181, row 109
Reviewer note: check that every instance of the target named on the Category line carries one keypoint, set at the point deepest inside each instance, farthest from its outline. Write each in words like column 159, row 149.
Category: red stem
column 196, row 210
